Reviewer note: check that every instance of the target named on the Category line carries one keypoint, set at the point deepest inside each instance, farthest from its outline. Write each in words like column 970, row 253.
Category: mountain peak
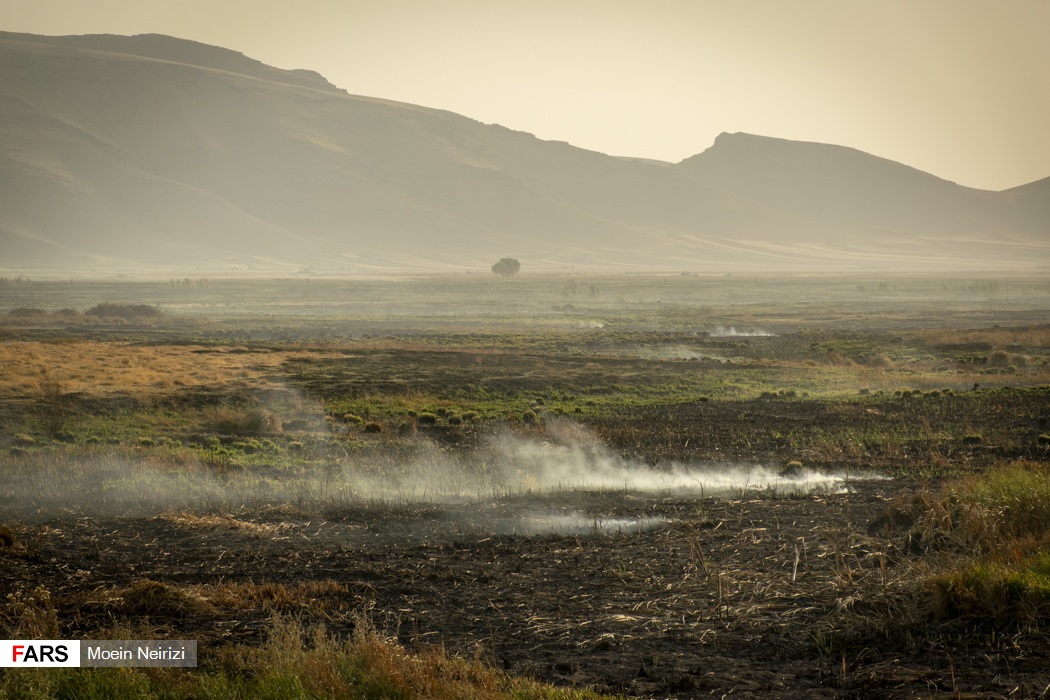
column 740, row 143
column 787, row 163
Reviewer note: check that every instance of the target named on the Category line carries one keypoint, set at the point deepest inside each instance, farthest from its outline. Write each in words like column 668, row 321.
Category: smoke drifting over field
column 733, row 331
column 513, row 484
column 671, row 352
column 572, row 458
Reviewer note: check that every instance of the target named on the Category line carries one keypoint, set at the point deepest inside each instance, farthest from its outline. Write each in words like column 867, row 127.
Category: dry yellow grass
column 100, row 368
column 224, row 522
column 294, row 661
column 248, row 595
column 1038, row 336
column 149, row 597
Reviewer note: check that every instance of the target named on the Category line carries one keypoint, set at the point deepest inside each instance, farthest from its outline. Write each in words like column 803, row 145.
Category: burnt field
column 654, row 487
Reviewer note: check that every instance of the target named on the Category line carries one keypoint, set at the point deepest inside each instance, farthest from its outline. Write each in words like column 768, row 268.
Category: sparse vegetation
column 272, row 462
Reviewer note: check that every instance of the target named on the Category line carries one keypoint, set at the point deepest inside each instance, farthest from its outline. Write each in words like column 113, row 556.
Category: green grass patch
column 1004, row 504
column 1003, row 518
column 1006, row 593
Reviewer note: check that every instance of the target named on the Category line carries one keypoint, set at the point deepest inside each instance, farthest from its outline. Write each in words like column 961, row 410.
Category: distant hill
column 155, row 153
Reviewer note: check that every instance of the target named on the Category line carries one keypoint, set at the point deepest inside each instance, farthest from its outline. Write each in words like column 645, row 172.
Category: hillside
column 149, row 152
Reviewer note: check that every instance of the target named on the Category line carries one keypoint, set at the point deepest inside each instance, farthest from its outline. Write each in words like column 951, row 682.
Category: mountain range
column 139, row 153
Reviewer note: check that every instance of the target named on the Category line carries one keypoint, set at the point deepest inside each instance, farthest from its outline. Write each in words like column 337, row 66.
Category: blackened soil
column 755, row 595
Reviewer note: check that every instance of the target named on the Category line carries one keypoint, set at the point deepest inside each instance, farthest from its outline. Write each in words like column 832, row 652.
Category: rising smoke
column 733, row 331
column 508, row 468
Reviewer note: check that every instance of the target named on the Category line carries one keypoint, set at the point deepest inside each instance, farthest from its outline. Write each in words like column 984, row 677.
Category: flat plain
column 659, row 486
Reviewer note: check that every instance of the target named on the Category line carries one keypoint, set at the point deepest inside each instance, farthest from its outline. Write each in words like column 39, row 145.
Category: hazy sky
column 959, row 88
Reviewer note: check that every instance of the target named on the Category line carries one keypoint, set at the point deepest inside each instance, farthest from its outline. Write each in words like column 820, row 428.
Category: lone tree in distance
column 506, row 267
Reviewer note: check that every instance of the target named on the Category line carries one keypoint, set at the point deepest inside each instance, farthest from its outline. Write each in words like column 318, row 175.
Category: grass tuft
column 294, row 662
column 157, row 599
column 1002, row 517
column 254, row 422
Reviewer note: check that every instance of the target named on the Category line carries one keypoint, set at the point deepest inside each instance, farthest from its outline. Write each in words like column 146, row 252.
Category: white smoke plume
column 733, row 331
column 513, row 484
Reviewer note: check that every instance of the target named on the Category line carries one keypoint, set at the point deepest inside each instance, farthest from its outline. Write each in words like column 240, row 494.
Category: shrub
column 506, row 267
column 254, row 422
column 406, row 429
column 24, row 440
column 999, row 358
column 836, row 358
column 297, row 424
column 7, row 537
column 54, row 406
column 427, row 419
column 25, row 312
column 353, row 419
column 373, row 427
column 455, row 420
column 127, row 312
column 972, row 439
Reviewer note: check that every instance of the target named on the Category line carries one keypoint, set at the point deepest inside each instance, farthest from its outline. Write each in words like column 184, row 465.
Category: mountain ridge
column 115, row 159
column 167, row 48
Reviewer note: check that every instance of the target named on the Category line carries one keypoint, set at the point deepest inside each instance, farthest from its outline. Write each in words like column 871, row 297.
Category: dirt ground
column 754, row 595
